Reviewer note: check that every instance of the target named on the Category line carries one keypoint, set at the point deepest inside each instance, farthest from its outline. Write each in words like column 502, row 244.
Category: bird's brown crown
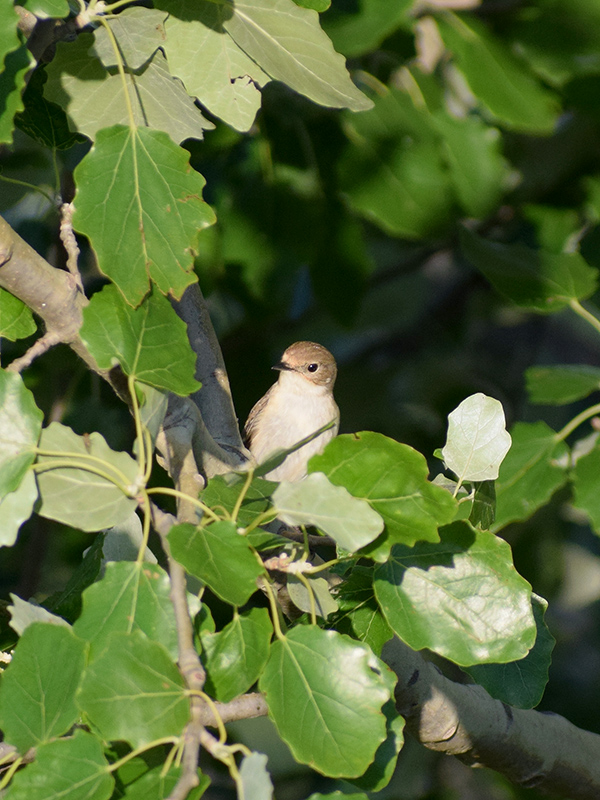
column 311, row 360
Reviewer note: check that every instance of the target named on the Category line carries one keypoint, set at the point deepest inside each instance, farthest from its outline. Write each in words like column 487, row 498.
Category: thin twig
column 37, row 349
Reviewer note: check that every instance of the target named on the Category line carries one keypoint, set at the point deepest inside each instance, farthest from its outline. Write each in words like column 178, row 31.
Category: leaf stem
column 46, row 466
column 320, row 567
column 67, row 454
column 28, row 186
column 576, row 421
column 311, row 597
column 139, row 434
column 142, row 749
column 211, row 703
column 274, row 611
column 181, row 495
column 266, row 516
column 585, row 314
column 121, row 69
column 10, row 772
column 146, row 531
column 242, row 495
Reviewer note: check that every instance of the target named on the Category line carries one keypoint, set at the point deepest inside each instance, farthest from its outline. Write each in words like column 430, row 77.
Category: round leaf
column 20, row 427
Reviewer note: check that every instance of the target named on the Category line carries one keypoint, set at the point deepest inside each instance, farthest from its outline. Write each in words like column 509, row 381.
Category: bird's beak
column 281, row 366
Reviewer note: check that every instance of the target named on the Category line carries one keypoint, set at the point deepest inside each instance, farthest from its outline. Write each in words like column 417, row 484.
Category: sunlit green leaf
column 219, row 556
column 74, row 494
column 20, row 427
column 16, row 319
column 316, row 501
column 12, row 82
column 133, row 691
column 24, row 613
column 220, row 493
column 477, row 439
column 68, row 769
column 139, row 33
column 360, row 613
column 461, row 597
column 561, row 384
column 140, row 203
column 131, row 596
column 585, row 484
column 325, row 693
column 392, row 478
column 149, row 342
column 15, row 508
column 37, row 700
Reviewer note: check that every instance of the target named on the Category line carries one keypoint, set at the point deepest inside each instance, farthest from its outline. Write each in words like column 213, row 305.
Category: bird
column 298, row 404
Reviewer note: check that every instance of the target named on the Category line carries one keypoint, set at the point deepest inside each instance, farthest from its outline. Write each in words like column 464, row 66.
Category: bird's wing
column 253, row 416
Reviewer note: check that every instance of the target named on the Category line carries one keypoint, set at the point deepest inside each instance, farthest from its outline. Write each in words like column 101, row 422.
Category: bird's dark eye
column 313, row 367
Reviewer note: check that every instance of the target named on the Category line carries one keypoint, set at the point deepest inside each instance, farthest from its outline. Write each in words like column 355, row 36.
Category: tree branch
column 532, row 749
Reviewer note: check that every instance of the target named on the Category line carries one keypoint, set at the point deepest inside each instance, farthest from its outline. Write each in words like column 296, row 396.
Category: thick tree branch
column 532, row 749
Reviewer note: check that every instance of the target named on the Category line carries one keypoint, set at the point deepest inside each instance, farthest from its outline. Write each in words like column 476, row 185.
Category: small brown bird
column 298, row 404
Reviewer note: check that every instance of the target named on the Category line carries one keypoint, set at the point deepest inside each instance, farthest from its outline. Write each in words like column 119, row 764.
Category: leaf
column 325, row 693
column 235, row 656
column 534, row 279
column 37, row 700
column 140, row 203
column 94, row 98
column 316, row 501
column 153, row 408
column 75, row 496
column 535, row 467
column 461, row 598
column 360, row 614
column 67, row 603
column 257, row 499
column 23, row 614
column 392, row 478
column 139, row 33
column 9, row 37
column 325, row 604
column 16, row 319
column 585, row 485
column 20, row 427
column 392, row 171
column 483, row 510
column 339, row 796
column 561, row 384
column 12, row 82
column 138, row 675
column 149, row 342
column 477, row 439
column 131, row 596
column 209, row 62
column 156, row 785
column 48, row 8
column 218, row 556
column 254, row 779
column 16, row 508
column 521, row 683
column 497, row 78
column 380, row 772
column 68, row 769
column 362, row 27
column 288, row 44
column 43, row 121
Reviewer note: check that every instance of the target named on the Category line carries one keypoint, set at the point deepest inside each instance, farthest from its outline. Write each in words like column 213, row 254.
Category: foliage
column 414, row 151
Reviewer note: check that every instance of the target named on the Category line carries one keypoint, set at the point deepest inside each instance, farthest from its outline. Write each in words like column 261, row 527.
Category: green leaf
column 585, row 484
column 317, row 5
column 20, row 427
column 69, row 769
column 23, row 614
column 365, row 25
column 521, row 683
column 461, row 598
column 499, row 80
column 392, row 477
column 235, row 657
column 255, row 780
column 9, row 37
column 288, row 44
column 483, row 510
column 360, row 614
column 339, row 796
column 324, row 603
column 134, row 692
column 139, row 33
column 140, row 203
column 533, row 279
column 477, row 439
column 535, row 467
column 123, row 542
column 94, row 98
column 209, row 62
column 325, row 693
column 219, row 556
column 16, row 320
column 37, row 700
column 380, row 772
column 75, row 496
column 130, row 596
column 153, row 407
column 149, row 342
column 473, row 153
column 48, row 8
column 256, row 500
column 392, row 172
column 12, row 82
column 316, row 501
column 154, row 784
column 15, row 508
column 67, row 603
column 560, row 385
